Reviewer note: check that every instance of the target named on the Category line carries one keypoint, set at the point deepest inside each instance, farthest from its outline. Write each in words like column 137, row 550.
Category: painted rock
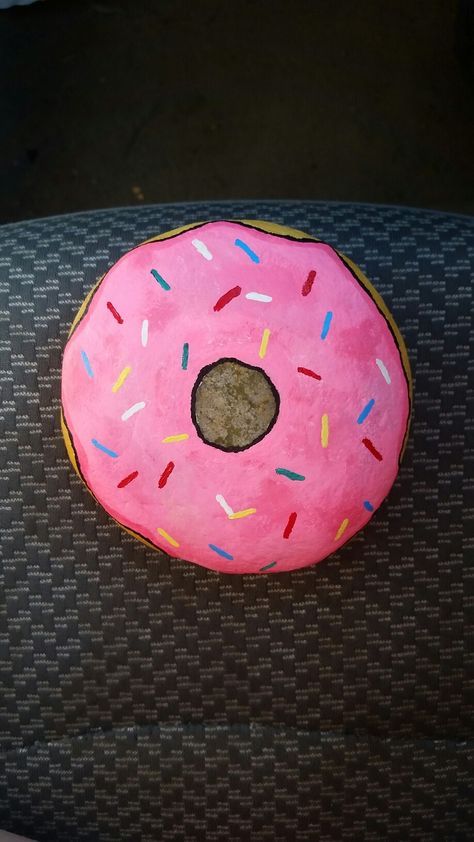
column 238, row 395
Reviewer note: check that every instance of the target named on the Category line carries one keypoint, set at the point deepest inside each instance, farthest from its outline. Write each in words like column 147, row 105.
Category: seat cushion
column 146, row 699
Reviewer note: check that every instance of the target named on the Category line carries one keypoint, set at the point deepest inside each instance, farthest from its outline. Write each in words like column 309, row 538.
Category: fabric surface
column 148, row 699
column 5, row 836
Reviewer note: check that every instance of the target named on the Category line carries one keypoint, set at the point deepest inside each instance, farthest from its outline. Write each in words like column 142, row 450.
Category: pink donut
column 282, row 303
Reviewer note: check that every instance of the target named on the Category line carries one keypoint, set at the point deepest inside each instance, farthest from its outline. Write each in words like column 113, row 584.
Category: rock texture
column 234, row 405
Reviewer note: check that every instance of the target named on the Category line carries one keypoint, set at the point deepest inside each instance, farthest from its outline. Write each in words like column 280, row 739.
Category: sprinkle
column 373, row 450
column 163, row 284
column 368, row 506
column 248, row 251
column 202, row 249
column 180, row 437
column 221, row 552
column 324, row 430
column 289, row 526
column 309, row 372
column 365, row 412
column 104, row 449
column 121, row 378
column 243, row 513
column 308, row 284
column 342, row 529
column 87, row 365
column 326, row 325
column 166, row 473
column 125, row 481
column 264, row 343
column 145, row 332
column 290, row 474
column 267, row 566
column 258, row 296
column 228, row 296
column 114, row 312
column 222, row 502
column 384, row 372
column 185, row 356
column 132, row 410
column 167, row 537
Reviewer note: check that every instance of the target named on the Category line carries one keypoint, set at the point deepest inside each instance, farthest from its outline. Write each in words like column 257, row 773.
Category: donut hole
column 234, row 405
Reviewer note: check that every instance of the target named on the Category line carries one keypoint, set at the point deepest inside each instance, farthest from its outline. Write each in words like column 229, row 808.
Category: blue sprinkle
column 241, row 245
column 267, row 566
column 185, row 357
column 87, row 365
column 290, row 474
column 326, row 325
column 366, row 410
column 221, row 552
column 104, row 449
column 164, row 284
column 368, row 506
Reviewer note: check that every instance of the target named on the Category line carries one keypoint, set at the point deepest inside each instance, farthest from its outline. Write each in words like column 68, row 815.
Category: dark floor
column 123, row 101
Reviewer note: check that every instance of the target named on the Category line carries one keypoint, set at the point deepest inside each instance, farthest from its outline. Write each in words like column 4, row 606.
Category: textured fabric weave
column 148, row 699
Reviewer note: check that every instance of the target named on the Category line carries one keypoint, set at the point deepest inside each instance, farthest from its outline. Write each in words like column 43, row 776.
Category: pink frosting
column 343, row 432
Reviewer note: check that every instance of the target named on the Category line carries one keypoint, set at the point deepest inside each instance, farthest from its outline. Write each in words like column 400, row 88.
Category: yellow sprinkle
column 167, row 537
column 243, row 513
column 264, row 343
column 121, row 378
column 169, row 439
column 324, row 430
column 342, row 529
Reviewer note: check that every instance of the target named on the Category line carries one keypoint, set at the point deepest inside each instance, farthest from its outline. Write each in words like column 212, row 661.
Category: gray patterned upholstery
column 144, row 699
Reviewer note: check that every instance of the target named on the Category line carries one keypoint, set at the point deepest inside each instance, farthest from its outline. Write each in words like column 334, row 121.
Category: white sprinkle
column 258, row 296
column 384, row 372
column 202, row 249
column 224, row 505
column 145, row 332
column 133, row 409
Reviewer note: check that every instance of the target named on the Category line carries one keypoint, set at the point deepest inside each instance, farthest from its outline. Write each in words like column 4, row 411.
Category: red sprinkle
column 289, row 526
column 373, row 450
column 309, row 373
column 308, row 284
column 114, row 312
column 166, row 473
column 228, row 296
column 128, row 479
